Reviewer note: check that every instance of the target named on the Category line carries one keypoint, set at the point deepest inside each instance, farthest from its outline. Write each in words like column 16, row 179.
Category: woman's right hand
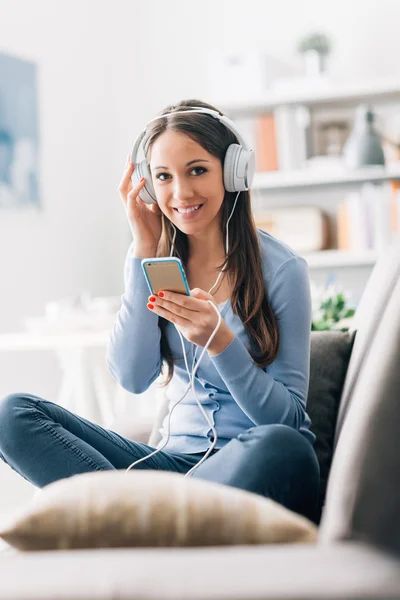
column 144, row 219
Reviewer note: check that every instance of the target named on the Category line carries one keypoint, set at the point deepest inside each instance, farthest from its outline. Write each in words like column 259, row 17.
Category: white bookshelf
column 322, row 92
column 339, row 258
column 313, row 177
column 318, row 92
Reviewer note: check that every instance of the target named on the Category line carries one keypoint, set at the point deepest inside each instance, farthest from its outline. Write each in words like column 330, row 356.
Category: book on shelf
column 291, row 138
column 343, row 224
column 395, row 208
column 278, row 138
column 369, row 219
column 313, row 234
column 266, row 153
column 247, row 125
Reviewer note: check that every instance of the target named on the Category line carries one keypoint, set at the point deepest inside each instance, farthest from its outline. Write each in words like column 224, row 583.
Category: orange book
column 394, row 207
column 343, row 225
column 266, row 155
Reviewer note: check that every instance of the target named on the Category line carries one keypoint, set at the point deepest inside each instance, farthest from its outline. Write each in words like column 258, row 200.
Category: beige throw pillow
column 150, row 508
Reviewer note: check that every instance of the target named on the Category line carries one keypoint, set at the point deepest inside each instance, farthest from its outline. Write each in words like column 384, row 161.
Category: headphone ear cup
column 229, row 167
column 239, row 166
column 147, row 193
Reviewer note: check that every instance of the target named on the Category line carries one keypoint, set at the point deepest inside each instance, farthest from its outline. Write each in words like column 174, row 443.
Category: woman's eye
column 202, row 169
column 160, row 176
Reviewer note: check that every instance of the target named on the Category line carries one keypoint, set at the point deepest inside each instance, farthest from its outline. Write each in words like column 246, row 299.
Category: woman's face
column 186, row 176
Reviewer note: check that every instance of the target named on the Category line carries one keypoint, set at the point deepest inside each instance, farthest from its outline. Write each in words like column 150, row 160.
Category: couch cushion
column 150, row 508
column 344, row 571
column 329, row 359
column 374, row 299
column 363, row 496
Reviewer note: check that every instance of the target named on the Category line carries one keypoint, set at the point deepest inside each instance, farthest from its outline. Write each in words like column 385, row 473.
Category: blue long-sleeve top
column 235, row 393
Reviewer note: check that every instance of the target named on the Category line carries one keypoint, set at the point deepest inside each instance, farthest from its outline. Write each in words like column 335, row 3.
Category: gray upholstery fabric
column 330, row 355
column 381, row 282
column 342, row 571
column 363, row 496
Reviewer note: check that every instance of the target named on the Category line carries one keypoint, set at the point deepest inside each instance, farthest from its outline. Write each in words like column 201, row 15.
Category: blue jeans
column 44, row 442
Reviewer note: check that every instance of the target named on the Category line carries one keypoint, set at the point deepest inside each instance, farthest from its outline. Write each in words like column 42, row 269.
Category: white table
column 87, row 387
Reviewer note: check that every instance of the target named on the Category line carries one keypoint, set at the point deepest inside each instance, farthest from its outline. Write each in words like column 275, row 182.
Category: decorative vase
column 315, row 63
column 363, row 147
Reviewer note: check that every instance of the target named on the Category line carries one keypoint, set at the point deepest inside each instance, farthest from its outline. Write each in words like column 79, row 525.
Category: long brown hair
column 249, row 298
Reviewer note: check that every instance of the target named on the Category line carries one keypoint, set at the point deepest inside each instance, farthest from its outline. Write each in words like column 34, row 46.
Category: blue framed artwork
column 19, row 139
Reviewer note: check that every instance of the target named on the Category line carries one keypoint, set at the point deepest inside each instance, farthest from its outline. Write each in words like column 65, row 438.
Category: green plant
column 315, row 41
column 330, row 312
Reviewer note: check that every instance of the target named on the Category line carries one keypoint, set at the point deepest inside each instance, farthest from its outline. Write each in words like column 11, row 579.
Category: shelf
column 316, row 92
column 339, row 258
column 313, row 177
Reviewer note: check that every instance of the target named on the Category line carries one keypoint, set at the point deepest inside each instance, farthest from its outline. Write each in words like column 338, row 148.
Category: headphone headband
column 193, row 109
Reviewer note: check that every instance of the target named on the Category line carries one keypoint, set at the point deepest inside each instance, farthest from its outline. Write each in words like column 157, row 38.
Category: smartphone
column 166, row 273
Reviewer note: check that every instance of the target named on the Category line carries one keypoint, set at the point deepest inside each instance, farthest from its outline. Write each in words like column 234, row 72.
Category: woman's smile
column 189, row 213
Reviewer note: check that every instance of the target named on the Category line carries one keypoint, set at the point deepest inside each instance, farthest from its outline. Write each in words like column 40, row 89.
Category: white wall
column 75, row 239
column 104, row 69
column 78, row 239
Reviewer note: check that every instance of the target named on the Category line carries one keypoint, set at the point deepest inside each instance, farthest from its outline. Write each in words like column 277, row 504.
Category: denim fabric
column 44, row 442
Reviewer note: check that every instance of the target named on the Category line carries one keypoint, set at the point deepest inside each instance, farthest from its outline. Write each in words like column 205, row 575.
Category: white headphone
column 239, row 161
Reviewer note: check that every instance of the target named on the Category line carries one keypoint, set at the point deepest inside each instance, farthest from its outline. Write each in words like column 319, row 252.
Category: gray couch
column 358, row 551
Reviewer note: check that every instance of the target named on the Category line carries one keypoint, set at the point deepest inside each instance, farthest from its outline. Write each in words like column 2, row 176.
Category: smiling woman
column 191, row 198
column 257, row 366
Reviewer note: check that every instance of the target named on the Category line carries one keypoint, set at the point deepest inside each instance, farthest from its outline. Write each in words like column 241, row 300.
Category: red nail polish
column 161, row 294
column 152, row 299
column 150, row 306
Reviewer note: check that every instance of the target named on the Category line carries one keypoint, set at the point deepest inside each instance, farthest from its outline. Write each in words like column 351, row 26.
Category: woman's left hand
column 193, row 315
